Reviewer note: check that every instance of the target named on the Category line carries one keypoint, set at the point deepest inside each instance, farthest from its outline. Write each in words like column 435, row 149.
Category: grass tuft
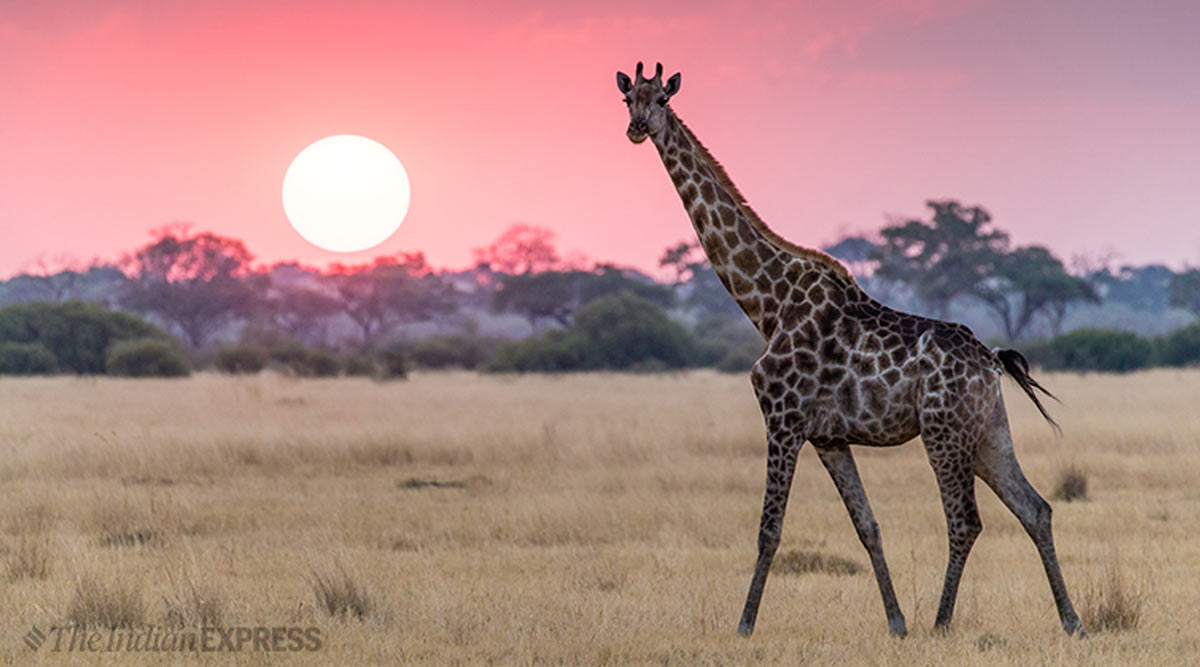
column 1072, row 485
column 106, row 605
column 1112, row 605
column 340, row 596
column 807, row 562
column 192, row 606
column 988, row 641
column 30, row 560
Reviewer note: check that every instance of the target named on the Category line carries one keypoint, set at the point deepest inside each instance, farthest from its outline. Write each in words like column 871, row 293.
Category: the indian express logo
column 159, row 639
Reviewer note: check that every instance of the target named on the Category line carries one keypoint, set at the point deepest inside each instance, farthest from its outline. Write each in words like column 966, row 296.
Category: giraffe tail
column 1017, row 367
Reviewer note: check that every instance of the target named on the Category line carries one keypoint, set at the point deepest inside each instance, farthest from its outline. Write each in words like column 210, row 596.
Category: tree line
column 522, row 306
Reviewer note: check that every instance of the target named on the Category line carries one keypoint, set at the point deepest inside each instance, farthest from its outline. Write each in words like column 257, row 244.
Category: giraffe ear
column 623, row 83
column 672, row 86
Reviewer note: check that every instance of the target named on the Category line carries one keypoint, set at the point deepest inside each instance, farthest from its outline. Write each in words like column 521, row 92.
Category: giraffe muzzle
column 637, row 131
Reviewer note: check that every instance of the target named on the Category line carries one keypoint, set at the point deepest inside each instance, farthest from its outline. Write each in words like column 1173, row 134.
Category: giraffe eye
column 627, row 101
column 662, row 101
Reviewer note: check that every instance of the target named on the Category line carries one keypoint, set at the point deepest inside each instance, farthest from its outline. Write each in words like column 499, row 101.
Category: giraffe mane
column 768, row 233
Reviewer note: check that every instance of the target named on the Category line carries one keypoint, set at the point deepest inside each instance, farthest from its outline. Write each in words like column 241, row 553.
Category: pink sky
column 1073, row 122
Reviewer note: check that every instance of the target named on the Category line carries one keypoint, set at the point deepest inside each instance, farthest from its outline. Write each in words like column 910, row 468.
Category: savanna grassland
column 582, row 519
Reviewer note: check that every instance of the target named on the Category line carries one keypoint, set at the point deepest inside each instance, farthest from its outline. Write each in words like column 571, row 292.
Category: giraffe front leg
column 781, row 465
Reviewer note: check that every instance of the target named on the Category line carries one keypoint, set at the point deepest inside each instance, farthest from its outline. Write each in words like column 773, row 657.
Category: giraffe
column 840, row 368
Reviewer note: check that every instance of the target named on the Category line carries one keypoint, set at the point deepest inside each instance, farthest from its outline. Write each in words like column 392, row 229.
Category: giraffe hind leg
column 952, row 465
column 839, row 462
column 997, row 466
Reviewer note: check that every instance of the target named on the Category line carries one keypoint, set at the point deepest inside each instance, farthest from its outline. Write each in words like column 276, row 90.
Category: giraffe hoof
column 898, row 629
column 745, row 629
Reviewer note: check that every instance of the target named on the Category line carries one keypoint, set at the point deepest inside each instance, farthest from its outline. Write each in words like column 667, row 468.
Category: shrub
column 291, row 356
column 1181, row 347
column 26, row 359
column 147, row 357
column 361, row 365
column 1094, row 350
column 1072, row 485
column 550, row 352
column 625, row 329
column 78, row 334
column 394, row 362
column 323, row 364
column 454, row 351
column 243, row 358
column 739, row 359
column 623, row 332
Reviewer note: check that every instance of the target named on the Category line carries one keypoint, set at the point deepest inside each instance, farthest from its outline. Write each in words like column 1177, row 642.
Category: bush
column 290, row 356
column 454, row 351
column 78, row 334
column 394, row 362
column 1072, row 485
column 551, row 352
column 623, row 332
column 147, row 357
column 1181, row 347
column 323, row 364
column 739, row 359
column 1093, row 350
column 295, row 358
column 241, row 358
column 361, row 365
column 26, row 359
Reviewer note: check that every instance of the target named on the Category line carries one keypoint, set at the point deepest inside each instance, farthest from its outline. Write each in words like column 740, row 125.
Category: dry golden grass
column 591, row 519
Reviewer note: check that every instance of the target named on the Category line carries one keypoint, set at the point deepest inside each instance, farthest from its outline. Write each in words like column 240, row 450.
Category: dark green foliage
column 147, row 357
column 620, row 332
column 394, row 362
column 954, row 254
column 242, row 358
column 1093, row 350
column 26, row 359
column 1180, row 347
column 360, row 365
column 453, row 351
column 1184, row 291
column 551, row 352
column 78, row 334
column 323, row 364
column 296, row 358
column 739, row 359
column 558, row 295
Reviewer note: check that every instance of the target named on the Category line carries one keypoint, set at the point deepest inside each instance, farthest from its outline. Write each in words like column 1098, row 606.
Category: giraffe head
column 647, row 102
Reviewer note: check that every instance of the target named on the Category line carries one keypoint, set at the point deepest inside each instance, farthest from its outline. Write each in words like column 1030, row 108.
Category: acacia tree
column 1185, row 291
column 521, row 249
column 197, row 283
column 953, row 254
column 301, row 312
column 389, row 291
column 1031, row 281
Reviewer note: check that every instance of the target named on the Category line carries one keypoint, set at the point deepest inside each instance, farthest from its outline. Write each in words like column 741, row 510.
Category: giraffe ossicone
column 840, row 369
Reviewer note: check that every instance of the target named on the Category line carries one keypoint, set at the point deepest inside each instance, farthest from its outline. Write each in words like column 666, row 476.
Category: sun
column 346, row 193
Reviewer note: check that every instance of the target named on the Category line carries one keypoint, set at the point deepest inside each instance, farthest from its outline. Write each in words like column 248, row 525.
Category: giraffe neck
column 755, row 264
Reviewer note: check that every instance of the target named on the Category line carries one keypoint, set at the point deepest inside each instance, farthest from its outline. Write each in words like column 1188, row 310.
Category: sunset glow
column 346, row 193
column 1071, row 122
